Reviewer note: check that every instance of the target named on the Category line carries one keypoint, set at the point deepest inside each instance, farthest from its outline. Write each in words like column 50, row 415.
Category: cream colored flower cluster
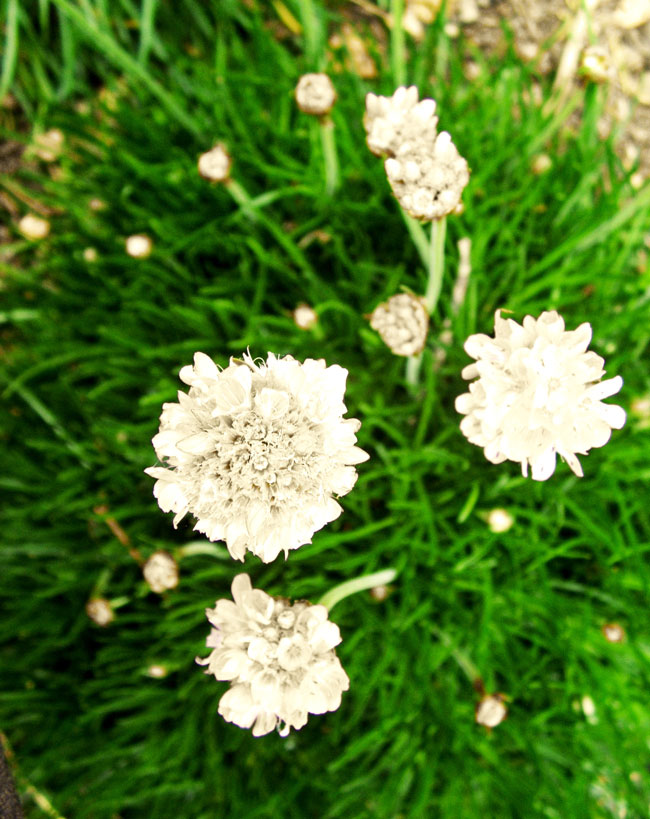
column 425, row 170
column 279, row 659
column 402, row 323
column 256, row 452
column 538, row 394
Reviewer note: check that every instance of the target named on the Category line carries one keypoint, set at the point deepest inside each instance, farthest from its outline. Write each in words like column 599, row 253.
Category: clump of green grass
column 90, row 350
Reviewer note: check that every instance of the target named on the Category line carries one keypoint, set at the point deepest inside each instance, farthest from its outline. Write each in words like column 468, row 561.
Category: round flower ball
column 279, row 660
column 538, row 394
column 215, row 164
column 315, row 94
column 256, row 452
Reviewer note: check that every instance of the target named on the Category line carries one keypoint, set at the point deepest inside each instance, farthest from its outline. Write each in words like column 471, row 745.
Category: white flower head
column 279, row 659
column 428, row 178
column 305, row 317
column 255, row 452
column 491, row 711
column 315, row 94
column 402, row 323
column 161, row 572
column 215, row 164
column 538, row 394
column 499, row 520
column 394, row 122
column 139, row 246
column 33, row 227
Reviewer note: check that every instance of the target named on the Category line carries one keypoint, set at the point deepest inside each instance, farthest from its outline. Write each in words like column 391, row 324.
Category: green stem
column 310, row 28
column 470, row 670
column 242, row 198
column 436, row 263
column 418, row 236
column 368, row 581
column 329, row 153
column 436, row 266
column 397, row 43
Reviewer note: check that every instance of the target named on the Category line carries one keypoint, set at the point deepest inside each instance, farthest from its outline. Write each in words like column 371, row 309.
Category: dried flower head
column 427, row 178
column 215, row 164
column 596, row 65
column 161, row 572
column 394, row 122
column 48, row 146
column 402, row 323
column 491, row 711
column 256, row 451
column 139, row 246
column 613, row 633
column 279, row 659
column 315, row 94
column 305, row 317
column 538, row 394
column 33, row 227
column 100, row 611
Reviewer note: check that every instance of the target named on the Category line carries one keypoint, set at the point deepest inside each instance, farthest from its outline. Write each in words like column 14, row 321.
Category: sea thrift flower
column 392, row 122
column 100, row 611
column 33, row 227
column 538, row 394
column 613, row 633
column 161, row 572
column 139, row 246
column 402, row 323
column 215, row 164
column 425, row 171
column 428, row 178
column 491, row 711
column 278, row 658
column 315, row 94
column 256, row 451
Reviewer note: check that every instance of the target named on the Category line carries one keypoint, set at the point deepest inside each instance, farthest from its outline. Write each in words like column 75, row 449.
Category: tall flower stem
column 418, row 236
column 242, row 198
column 397, row 42
column 368, row 581
column 329, row 153
column 467, row 666
column 436, row 266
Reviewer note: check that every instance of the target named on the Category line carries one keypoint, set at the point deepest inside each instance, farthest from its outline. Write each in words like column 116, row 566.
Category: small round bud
column 90, row 254
column 595, row 64
column 139, row 246
column 100, row 611
column 499, row 520
column 315, row 94
column 33, row 227
column 380, row 593
column 540, row 164
column 305, row 317
column 161, row 572
column 589, row 709
column 613, row 633
column 96, row 204
column 157, row 671
column 491, row 711
column 215, row 164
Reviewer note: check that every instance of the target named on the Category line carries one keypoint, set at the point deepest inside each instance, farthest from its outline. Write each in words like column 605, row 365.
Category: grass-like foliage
column 91, row 350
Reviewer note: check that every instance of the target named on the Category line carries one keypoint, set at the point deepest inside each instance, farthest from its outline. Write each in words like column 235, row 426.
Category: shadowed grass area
column 91, row 350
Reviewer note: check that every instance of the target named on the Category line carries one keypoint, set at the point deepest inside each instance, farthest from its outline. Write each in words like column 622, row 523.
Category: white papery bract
column 256, row 451
column 279, row 659
column 538, row 394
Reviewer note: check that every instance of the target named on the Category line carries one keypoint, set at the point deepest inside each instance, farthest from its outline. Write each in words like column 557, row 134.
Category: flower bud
column 315, row 94
column 100, row 611
column 215, row 164
column 491, row 711
column 139, row 246
column 161, row 572
column 33, row 227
